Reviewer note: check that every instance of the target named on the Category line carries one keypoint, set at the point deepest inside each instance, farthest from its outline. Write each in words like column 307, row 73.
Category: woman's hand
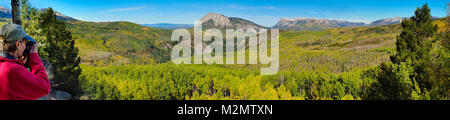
column 22, row 59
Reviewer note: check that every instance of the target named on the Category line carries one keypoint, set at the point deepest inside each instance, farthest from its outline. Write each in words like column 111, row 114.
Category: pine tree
column 407, row 77
column 56, row 45
column 59, row 48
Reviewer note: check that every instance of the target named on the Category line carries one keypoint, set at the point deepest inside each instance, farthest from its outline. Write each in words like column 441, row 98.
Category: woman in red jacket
column 16, row 82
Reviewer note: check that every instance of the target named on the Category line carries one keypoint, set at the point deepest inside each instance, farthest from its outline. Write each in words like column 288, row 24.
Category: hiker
column 16, row 82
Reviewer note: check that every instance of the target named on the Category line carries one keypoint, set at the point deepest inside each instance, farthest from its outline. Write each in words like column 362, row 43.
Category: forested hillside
column 326, row 64
column 210, row 82
column 115, row 43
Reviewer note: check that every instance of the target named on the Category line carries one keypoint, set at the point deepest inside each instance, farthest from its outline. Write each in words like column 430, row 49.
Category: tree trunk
column 15, row 5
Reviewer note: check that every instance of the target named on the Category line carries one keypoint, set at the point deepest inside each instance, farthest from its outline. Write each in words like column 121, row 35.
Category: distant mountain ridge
column 386, row 21
column 64, row 17
column 7, row 13
column 305, row 24
column 301, row 24
column 219, row 21
column 169, row 26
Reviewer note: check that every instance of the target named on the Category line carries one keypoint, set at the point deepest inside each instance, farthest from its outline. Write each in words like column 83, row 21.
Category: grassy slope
column 337, row 50
column 4, row 21
column 334, row 50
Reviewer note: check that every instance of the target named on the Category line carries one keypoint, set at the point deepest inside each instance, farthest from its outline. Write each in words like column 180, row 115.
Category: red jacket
column 17, row 83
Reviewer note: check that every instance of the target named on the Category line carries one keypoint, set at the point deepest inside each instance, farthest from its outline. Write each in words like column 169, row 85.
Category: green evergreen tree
column 407, row 77
column 415, row 43
column 56, row 45
column 60, row 50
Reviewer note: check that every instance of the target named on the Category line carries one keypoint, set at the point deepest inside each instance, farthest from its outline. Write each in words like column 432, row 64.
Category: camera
column 28, row 48
column 29, row 45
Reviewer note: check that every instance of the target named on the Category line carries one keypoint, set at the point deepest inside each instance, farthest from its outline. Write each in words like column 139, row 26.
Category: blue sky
column 264, row 12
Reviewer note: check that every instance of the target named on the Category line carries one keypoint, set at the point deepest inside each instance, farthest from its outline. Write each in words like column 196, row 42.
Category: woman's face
column 21, row 46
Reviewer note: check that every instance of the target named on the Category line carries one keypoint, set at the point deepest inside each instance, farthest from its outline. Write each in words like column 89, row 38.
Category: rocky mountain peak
column 217, row 19
column 5, row 12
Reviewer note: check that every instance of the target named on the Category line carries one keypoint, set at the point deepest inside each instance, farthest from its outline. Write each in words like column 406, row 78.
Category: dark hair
column 8, row 46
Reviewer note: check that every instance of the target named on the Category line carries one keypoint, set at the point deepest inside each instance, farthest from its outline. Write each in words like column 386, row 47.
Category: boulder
column 57, row 95
column 54, row 94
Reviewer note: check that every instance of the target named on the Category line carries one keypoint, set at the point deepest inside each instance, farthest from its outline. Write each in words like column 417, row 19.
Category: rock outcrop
column 54, row 94
column 219, row 21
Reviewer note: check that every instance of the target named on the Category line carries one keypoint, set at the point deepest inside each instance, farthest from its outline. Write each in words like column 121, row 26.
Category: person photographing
column 16, row 82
